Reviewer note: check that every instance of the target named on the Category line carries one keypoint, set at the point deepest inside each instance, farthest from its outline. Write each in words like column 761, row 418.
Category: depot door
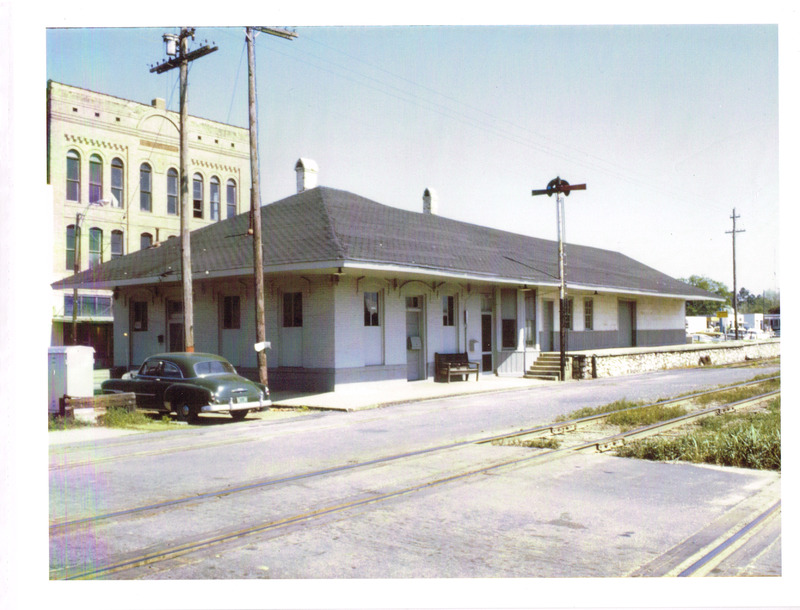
column 415, row 348
column 627, row 323
column 547, row 326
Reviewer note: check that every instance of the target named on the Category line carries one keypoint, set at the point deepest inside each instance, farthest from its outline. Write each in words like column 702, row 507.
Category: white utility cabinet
column 70, row 373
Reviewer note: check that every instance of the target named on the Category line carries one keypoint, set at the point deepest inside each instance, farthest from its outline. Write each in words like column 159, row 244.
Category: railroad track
column 65, row 532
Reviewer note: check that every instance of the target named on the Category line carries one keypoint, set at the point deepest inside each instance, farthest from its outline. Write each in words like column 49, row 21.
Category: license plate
column 241, row 399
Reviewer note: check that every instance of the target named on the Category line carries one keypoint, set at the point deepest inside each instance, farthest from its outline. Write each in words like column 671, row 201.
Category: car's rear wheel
column 188, row 412
column 239, row 415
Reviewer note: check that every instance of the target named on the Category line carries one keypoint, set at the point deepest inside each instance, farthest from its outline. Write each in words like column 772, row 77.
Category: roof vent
column 307, row 171
column 430, row 202
column 159, row 103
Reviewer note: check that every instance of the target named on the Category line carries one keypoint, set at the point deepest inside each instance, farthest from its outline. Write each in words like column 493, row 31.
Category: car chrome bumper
column 255, row 405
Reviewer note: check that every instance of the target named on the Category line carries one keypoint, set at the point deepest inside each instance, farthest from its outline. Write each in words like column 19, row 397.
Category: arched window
column 197, row 195
column 73, row 176
column 145, row 241
column 95, row 247
column 95, row 178
column 172, row 191
column 213, row 196
column 70, row 247
column 117, row 244
column 230, row 199
column 145, row 188
column 117, row 183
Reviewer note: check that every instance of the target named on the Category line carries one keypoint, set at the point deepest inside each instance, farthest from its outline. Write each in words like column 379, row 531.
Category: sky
column 671, row 127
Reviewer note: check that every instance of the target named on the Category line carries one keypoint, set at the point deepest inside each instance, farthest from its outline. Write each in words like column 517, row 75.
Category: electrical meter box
column 70, row 373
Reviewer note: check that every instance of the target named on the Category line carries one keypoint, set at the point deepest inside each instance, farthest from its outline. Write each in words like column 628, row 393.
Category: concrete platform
column 371, row 395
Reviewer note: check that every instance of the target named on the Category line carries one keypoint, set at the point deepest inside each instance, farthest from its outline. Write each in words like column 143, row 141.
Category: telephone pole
column 735, row 296
column 178, row 51
column 559, row 187
column 255, row 196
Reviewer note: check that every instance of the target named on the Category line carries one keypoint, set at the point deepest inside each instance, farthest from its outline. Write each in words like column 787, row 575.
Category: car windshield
column 213, row 367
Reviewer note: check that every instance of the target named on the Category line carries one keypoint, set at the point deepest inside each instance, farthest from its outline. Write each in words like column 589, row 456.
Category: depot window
column 371, row 312
column 292, row 309
column 73, row 176
column 588, row 314
column 139, row 315
column 448, row 311
column 231, row 312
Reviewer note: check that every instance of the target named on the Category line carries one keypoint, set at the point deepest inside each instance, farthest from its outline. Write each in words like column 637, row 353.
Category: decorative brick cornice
column 96, row 143
column 215, row 166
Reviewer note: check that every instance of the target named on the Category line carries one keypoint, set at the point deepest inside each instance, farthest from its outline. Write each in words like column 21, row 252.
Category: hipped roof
column 324, row 228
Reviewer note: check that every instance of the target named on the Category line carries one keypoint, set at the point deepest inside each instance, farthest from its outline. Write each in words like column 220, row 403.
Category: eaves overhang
column 390, row 268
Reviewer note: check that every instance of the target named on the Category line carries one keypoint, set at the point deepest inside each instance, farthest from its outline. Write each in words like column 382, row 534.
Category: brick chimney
column 430, row 202
column 307, row 171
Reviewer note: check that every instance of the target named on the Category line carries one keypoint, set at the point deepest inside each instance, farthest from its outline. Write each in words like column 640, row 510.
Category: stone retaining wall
column 588, row 365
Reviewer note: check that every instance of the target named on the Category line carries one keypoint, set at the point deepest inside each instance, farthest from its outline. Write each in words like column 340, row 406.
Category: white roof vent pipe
column 307, row 171
column 430, row 202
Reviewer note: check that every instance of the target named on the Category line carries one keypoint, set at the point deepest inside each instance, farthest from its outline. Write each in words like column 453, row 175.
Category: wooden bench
column 100, row 403
column 450, row 365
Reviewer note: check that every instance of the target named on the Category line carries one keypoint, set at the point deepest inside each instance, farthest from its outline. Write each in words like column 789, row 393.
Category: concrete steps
column 548, row 367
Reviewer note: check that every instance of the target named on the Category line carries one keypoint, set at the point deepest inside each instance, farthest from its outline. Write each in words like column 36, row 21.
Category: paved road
column 586, row 516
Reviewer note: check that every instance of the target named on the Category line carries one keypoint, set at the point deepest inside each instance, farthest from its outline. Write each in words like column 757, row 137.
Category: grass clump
column 56, row 423
column 745, row 440
column 736, row 394
column 122, row 418
column 590, row 411
column 646, row 416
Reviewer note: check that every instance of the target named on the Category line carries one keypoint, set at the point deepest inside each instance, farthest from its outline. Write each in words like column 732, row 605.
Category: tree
column 768, row 301
column 706, row 308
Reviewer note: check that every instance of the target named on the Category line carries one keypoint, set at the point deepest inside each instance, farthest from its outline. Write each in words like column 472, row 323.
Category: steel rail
column 720, row 552
column 218, row 538
column 556, row 428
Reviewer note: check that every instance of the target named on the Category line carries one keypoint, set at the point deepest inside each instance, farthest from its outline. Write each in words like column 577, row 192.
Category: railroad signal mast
column 180, row 56
column 560, row 188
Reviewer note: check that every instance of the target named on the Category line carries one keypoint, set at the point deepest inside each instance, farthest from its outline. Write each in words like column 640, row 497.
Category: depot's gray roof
column 326, row 228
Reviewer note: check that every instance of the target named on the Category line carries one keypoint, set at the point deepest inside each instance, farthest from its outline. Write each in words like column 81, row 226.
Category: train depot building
column 357, row 291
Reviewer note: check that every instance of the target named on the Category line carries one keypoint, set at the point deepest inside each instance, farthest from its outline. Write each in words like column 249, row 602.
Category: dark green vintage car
column 190, row 383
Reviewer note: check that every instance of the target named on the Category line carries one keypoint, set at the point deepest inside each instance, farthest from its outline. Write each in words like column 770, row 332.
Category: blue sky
column 671, row 127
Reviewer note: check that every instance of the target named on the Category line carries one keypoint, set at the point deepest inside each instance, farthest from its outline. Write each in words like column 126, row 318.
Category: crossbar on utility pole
column 561, row 187
column 178, row 48
column 735, row 296
column 255, row 197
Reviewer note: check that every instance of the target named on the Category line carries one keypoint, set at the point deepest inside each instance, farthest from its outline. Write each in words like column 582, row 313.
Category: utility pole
column 178, row 50
column 559, row 187
column 735, row 296
column 255, row 197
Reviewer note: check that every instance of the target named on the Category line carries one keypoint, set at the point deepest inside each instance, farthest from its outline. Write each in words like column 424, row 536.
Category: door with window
column 627, row 323
column 175, row 326
column 415, row 347
column 230, row 315
column 373, row 330
column 449, row 324
column 548, row 326
column 291, row 347
column 487, row 333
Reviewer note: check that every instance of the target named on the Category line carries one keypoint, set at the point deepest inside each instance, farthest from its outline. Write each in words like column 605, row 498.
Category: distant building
column 357, row 291
column 112, row 165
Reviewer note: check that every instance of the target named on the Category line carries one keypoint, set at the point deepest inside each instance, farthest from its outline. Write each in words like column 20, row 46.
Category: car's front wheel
column 188, row 412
